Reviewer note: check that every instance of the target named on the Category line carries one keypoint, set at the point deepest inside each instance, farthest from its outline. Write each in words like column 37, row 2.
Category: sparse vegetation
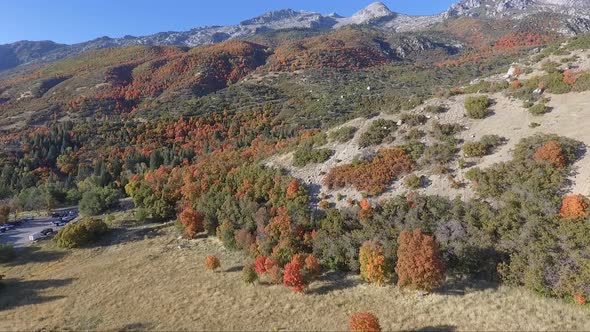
column 343, row 135
column 305, row 156
column 377, row 133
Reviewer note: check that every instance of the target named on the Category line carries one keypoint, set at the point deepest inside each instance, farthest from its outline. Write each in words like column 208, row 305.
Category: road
column 19, row 236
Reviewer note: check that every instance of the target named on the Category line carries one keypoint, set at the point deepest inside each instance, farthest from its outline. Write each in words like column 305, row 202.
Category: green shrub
column 414, row 149
column 582, row 83
column 477, row 107
column 249, row 275
column 434, row 109
column 550, row 67
column 6, row 253
column 379, row 130
column 412, row 119
column 554, row 83
column 439, row 153
column 444, row 132
column 81, row 233
column 141, row 214
column 413, row 181
column 98, row 200
column 305, row 156
column 538, row 109
column 343, row 135
column 486, row 87
column 474, row 149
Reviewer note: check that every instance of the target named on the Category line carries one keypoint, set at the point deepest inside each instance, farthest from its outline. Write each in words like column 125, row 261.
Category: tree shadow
column 236, row 268
column 137, row 327
column 333, row 281
column 124, row 235
column 459, row 287
column 438, row 328
column 16, row 293
column 34, row 254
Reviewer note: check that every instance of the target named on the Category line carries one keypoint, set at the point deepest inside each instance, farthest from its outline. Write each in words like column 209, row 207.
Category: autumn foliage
column 552, row 153
column 363, row 322
column 371, row 176
column 372, row 263
column 192, row 222
column 212, row 263
column 301, row 271
column 580, row 299
column 574, row 207
column 418, row 262
column 293, row 277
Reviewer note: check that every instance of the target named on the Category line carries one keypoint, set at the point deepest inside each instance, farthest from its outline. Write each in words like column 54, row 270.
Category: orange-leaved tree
column 418, row 263
column 363, row 322
column 192, row 222
column 372, row 263
column 212, row 263
column 552, row 153
column 574, row 207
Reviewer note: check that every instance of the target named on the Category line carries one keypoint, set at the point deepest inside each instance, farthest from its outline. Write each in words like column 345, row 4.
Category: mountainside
column 573, row 17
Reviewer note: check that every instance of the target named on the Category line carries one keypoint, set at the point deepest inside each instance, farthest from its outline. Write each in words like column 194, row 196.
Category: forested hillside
column 352, row 150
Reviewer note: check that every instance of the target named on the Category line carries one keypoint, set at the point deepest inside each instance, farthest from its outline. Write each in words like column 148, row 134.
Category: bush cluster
column 81, row 233
column 378, row 132
column 305, row 156
column 485, row 146
column 342, row 135
column 371, row 176
column 477, row 107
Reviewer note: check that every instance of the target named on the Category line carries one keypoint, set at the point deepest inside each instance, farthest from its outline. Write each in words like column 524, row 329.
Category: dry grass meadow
column 148, row 279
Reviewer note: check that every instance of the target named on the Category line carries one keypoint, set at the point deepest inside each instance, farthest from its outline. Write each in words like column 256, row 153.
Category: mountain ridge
column 376, row 15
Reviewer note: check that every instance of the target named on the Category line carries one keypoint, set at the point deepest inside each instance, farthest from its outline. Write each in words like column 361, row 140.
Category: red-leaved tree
column 363, row 322
column 192, row 222
column 418, row 262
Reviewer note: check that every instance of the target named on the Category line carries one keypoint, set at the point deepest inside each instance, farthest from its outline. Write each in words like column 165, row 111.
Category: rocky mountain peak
column 373, row 11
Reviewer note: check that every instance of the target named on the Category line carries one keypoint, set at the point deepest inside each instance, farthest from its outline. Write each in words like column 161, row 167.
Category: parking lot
column 19, row 235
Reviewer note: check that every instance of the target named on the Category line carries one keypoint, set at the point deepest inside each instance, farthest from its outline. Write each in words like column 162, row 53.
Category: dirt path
column 152, row 283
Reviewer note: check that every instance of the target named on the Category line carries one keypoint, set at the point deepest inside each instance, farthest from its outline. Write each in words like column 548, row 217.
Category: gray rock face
column 518, row 8
column 576, row 19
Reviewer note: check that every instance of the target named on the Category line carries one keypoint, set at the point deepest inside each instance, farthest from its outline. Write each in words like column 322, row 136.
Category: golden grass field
column 148, row 279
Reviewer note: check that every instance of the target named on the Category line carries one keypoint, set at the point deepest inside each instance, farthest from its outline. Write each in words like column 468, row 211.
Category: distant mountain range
column 573, row 18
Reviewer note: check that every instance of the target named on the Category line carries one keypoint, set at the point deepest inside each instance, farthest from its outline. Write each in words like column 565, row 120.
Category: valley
column 302, row 171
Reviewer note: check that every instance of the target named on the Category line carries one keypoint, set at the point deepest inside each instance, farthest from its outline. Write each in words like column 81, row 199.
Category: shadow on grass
column 236, row 268
column 137, row 327
column 126, row 235
column 34, row 254
column 461, row 287
column 15, row 293
column 439, row 328
column 333, row 281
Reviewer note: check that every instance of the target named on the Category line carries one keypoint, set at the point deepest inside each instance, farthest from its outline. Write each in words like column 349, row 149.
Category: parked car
column 47, row 231
column 9, row 226
column 2, row 229
column 36, row 236
column 59, row 223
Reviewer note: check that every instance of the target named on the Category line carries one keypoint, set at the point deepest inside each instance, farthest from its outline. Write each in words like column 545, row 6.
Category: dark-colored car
column 47, row 231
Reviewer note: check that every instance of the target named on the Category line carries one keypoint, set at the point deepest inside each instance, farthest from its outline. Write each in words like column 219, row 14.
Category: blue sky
column 72, row 21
